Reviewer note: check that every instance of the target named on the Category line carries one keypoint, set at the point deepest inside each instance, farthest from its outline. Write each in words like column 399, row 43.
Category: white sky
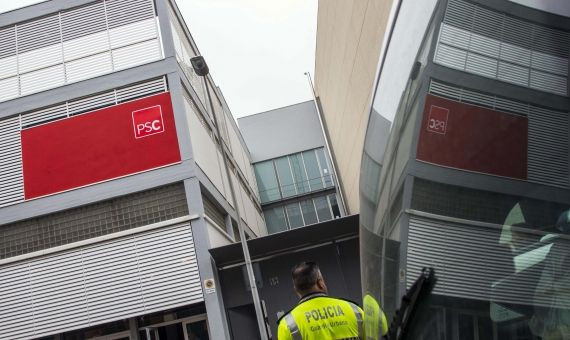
column 257, row 50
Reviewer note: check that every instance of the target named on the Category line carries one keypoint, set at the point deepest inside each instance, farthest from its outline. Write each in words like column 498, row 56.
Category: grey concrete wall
column 282, row 131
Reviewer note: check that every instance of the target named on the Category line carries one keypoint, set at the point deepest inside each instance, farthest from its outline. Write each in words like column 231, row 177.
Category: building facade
column 297, row 184
column 475, row 179
column 112, row 175
column 350, row 36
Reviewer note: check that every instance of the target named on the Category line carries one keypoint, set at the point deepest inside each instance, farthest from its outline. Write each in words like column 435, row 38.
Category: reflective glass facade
column 293, row 175
column 474, row 181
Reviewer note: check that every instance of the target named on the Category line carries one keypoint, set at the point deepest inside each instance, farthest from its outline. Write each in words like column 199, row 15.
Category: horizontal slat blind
column 90, row 285
column 548, row 132
column 11, row 177
column 493, row 45
column 471, row 263
column 77, row 44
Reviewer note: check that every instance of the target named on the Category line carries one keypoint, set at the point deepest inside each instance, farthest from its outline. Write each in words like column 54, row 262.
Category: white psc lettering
column 147, row 127
column 438, row 125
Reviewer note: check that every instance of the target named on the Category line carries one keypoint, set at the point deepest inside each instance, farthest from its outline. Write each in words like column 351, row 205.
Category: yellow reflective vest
column 375, row 321
column 318, row 316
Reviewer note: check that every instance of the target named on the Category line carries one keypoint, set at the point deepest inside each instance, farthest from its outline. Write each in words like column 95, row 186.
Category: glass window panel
column 325, row 169
column 275, row 220
column 294, row 215
column 312, row 166
column 323, row 209
column 309, row 213
column 299, row 173
column 267, row 182
column 285, row 177
column 334, row 206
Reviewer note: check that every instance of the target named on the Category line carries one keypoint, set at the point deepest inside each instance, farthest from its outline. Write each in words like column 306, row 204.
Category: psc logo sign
column 148, row 121
column 437, row 119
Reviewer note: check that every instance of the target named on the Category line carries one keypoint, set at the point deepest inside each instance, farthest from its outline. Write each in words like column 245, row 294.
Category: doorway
column 194, row 328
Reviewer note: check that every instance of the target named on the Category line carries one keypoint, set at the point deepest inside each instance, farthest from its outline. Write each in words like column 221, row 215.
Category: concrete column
column 217, row 323
column 133, row 329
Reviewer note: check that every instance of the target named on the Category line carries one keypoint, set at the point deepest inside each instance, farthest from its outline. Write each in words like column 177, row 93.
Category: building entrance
column 194, row 328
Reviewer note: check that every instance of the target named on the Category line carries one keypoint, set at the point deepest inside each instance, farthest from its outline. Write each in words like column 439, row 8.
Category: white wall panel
column 203, row 147
column 41, row 80
column 136, row 54
column 112, row 280
column 84, row 46
column 10, row 88
column 40, row 58
column 133, row 33
column 8, row 66
column 217, row 239
column 88, row 67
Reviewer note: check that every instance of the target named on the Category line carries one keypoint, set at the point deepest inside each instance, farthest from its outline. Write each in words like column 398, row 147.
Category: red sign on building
column 474, row 138
column 98, row 146
column 148, row 121
column 437, row 121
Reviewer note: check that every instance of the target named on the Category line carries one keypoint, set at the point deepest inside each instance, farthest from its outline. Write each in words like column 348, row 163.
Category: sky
column 257, row 50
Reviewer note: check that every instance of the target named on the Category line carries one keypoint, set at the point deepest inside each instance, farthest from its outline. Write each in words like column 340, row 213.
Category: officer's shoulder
column 347, row 300
column 285, row 314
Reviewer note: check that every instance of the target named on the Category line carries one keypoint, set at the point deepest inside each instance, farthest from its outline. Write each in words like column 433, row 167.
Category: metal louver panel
column 8, row 61
column 83, row 21
column 548, row 151
column 136, row 54
column 38, row 33
column 91, row 103
column 140, row 90
column 44, row 115
column 481, row 99
column 471, row 263
column 11, row 177
column 491, row 44
column 124, row 12
column 116, row 279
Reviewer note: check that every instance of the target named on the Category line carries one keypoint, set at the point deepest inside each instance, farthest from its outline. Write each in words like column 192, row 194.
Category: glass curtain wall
column 293, row 175
column 301, row 213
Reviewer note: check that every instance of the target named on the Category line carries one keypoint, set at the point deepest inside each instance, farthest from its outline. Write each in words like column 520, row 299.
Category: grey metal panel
column 104, row 282
column 491, row 44
column 11, row 176
column 77, row 44
column 470, row 262
column 548, row 147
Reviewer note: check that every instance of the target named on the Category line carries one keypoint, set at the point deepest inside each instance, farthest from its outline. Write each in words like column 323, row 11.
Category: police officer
column 318, row 316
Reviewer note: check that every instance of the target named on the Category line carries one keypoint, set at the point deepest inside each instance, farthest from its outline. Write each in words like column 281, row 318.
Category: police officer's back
column 318, row 316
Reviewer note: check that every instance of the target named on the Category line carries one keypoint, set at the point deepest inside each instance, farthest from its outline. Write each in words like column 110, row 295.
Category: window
column 309, row 213
column 312, row 166
column 299, row 173
column 275, row 220
column 267, row 182
column 334, row 206
column 285, row 177
column 326, row 172
column 323, row 208
column 299, row 214
column 292, row 175
column 294, row 215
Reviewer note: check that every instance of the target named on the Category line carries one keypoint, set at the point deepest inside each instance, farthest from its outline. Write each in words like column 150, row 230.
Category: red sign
column 474, row 138
column 99, row 146
column 148, row 121
column 437, row 121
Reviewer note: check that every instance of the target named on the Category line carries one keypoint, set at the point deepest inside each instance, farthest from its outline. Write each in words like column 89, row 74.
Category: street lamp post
column 201, row 68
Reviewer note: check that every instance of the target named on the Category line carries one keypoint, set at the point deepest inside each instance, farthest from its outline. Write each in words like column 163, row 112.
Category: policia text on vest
column 318, row 316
